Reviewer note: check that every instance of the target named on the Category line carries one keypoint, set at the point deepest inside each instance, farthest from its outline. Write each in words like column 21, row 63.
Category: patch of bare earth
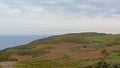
column 21, row 58
column 87, row 55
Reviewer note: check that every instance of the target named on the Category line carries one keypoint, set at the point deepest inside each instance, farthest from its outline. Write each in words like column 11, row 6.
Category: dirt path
column 7, row 64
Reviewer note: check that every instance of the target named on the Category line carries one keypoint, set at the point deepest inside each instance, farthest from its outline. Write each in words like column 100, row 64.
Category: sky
column 38, row 17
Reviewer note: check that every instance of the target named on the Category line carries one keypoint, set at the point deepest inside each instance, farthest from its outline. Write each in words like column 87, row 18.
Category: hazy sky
column 38, row 17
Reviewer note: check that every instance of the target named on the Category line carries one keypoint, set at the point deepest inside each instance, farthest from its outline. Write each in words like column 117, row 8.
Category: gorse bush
column 115, row 41
column 33, row 53
column 103, row 64
column 69, row 54
column 6, row 57
column 105, row 52
column 49, row 46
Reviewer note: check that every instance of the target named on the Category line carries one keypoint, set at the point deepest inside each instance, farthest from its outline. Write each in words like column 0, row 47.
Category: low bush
column 68, row 55
column 33, row 53
column 115, row 41
column 103, row 64
column 105, row 52
column 49, row 46
column 6, row 57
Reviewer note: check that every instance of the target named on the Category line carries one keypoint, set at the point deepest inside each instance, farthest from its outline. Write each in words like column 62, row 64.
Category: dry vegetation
column 89, row 48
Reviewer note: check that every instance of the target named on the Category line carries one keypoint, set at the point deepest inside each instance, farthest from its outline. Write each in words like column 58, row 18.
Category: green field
column 55, row 64
column 73, row 64
column 100, row 38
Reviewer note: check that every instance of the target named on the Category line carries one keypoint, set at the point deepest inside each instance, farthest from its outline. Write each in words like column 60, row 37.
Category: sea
column 11, row 41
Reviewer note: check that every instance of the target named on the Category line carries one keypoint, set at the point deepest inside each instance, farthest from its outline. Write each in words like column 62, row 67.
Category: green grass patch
column 55, row 64
column 114, row 57
column 104, row 64
column 99, row 38
column 49, row 46
column 69, row 54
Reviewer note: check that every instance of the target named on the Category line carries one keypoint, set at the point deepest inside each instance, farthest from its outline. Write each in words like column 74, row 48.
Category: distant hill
column 65, row 38
column 73, row 46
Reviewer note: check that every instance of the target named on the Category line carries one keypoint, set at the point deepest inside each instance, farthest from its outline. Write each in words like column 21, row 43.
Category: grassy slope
column 67, row 38
column 73, row 37
column 114, row 57
column 100, row 38
column 55, row 64
column 26, row 49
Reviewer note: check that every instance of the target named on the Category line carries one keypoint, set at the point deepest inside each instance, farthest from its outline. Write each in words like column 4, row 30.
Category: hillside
column 67, row 47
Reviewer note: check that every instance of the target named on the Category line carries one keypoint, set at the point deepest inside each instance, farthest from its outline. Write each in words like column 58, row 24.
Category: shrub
column 33, row 53
column 114, row 42
column 103, row 64
column 49, row 46
column 84, row 46
column 105, row 52
column 68, row 55
column 6, row 56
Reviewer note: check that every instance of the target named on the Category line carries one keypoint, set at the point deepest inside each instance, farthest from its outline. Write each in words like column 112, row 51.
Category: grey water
column 11, row 41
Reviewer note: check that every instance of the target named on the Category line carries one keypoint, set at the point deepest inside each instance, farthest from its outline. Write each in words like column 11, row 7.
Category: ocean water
column 11, row 41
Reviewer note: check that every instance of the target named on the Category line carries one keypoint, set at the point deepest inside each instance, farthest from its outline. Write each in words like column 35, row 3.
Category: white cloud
column 87, row 6
column 55, row 17
column 104, row 1
column 37, row 9
column 2, row 5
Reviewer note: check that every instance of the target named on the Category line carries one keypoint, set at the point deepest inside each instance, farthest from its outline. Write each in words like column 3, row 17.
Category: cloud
column 48, row 16
column 66, row 7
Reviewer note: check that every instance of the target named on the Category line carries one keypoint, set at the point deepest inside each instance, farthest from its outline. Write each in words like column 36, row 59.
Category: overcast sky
column 38, row 17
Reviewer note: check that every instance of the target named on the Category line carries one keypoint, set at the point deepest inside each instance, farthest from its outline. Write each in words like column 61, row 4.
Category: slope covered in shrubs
column 84, row 50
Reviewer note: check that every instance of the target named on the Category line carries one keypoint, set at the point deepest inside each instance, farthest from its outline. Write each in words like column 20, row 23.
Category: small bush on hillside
column 6, row 56
column 105, row 52
column 114, row 57
column 33, row 53
column 68, row 55
column 37, row 53
column 7, row 59
column 114, row 42
column 103, row 64
column 84, row 47
column 49, row 46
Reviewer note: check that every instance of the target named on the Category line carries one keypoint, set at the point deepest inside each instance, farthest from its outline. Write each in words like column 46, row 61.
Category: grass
column 114, row 57
column 55, row 64
column 69, row 54
column 50, row 41
column 49, row 46
column 99, row 38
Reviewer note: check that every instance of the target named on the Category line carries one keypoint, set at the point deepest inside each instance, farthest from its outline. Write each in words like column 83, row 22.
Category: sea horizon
column 7, row 41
